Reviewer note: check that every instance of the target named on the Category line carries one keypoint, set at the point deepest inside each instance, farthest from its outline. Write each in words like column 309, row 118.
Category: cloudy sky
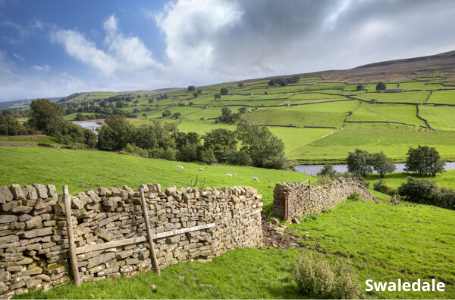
column 55, row 48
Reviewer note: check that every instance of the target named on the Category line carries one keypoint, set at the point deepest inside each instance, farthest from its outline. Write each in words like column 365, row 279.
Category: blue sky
column 55, row 48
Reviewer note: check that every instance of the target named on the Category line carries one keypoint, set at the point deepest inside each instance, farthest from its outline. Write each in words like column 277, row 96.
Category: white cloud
column 18, row 57
column 193, row 30
column 122, row 54
column 44, row 68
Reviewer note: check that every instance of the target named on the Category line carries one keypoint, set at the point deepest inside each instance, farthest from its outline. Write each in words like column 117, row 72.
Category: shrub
column 208, row 156
column 328, row 170
column 427, row 192
column 384, row 188
column 355, row 196
column 240, row 158
column 318, row 278
column 421, row 191
column 323, row 179
column 169, row 154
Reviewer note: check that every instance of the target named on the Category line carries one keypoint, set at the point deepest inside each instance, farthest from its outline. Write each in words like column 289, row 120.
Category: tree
column 116, row 133
column 11, row 126
column 208, row 157
column 46, row 116
column 261, row 145
column 381, row 86
column 359, row 87
column 328, row 171
column 199, row 91
column 224, row 91
column 176, row 115
column 240, row 85
column 222, row 142
column 358, row 162
column 382, row 164
column 424, row 160
column 166, row 113
column 217, row 96
column 195, row 94
column 243, row 109
column 191, row 88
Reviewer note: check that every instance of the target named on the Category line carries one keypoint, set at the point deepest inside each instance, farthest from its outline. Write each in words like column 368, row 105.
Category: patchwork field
column 324, row 115
column 407, row 97
column 394, row 143
column 442, row 97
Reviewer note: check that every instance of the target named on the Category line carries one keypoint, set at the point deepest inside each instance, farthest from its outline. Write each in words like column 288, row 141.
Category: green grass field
column 439, row 117
column 442, row 97
column 324, row 114
column 387, row 113
column 382, row 242
column 394, row 143
column 407, row 97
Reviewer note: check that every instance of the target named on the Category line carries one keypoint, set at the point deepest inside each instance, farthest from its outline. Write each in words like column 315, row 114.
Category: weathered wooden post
column 69, row 227
column 149, row 232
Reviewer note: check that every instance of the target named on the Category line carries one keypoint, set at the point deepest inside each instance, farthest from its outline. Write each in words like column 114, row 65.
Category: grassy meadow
column 380, row 241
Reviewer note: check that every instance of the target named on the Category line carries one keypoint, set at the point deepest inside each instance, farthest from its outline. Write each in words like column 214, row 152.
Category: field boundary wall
column 298, row 199
column 186, row 224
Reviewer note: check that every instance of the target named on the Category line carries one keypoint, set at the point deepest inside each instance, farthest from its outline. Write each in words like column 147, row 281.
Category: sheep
column 234, row 174
column 229, row 175
column 255, row 179
column 201, row 169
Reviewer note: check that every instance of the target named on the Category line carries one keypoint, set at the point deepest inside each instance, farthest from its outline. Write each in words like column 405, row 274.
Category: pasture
column 394, row 143
column 404, row 241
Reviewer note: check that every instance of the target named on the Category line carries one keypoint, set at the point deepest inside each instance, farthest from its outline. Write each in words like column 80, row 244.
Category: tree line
column 259, row 147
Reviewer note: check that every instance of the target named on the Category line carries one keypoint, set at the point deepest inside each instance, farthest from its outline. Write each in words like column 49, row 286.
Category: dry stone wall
column 34, row 242
column 288, row 199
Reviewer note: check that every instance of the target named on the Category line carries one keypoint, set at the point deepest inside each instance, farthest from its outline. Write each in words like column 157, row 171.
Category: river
column 314, row 169
column 90, row 125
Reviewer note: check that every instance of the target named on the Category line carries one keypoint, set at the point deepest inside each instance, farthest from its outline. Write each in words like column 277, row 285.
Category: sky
column 53, row 48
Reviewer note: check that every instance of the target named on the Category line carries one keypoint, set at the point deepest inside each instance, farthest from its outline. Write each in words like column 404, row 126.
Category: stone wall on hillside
column 34, row 241
column 294, row 199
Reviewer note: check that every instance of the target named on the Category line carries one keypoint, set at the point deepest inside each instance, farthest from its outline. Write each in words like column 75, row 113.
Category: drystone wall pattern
column 34, row 242
column 321, row 197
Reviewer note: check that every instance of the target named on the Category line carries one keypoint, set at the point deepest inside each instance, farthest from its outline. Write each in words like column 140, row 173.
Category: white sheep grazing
column 201, row 169
column 255, row 179
column 229, row 175
column 180, row 167
column 234, row 174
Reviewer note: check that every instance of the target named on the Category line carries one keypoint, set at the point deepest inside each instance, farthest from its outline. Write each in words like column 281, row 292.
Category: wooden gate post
column 69, row 227
column 149, row 232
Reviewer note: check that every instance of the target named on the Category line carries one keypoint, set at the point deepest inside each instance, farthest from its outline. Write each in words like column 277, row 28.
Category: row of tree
column 423, row 160
column 283, row 81
column 260, row 148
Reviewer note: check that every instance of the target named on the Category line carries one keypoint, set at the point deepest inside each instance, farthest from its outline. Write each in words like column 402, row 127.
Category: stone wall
column 40, row 145
column 34, row 242
column 301, row 201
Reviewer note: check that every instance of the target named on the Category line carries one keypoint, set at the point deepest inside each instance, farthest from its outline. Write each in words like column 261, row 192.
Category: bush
column 323, row 179
column 169, row 154
column 355, row 196
column 318, row 278
column 240, row 158
column 384, row 188
column 329, row 171
column 427, row 192
column 208, row 157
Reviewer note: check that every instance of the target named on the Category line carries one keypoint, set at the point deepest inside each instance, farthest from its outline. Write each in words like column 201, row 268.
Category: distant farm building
column 373, row 101
column 183, row 104
column 207, row 106
column 393, row 91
